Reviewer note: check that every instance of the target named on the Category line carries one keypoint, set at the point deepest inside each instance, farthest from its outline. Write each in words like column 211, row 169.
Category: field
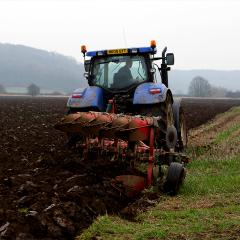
column 47, row 192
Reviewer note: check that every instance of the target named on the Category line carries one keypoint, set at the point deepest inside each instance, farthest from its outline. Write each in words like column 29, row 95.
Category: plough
column 129, row 139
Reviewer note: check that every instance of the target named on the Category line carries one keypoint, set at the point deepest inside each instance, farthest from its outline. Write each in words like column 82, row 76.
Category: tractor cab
column 123, row 69
column 119, row 69
column 129, row 76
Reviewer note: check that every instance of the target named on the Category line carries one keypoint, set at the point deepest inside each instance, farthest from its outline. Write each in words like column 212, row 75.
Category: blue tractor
column 129, row 112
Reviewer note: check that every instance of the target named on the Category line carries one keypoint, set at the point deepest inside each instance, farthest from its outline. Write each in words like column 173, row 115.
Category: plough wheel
column 174, row 179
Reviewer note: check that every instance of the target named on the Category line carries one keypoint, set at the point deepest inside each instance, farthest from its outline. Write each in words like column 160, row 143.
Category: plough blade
column 107, row 125
column 132, row 184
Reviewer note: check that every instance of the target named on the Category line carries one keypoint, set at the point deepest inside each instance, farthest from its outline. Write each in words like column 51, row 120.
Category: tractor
column 128, row 114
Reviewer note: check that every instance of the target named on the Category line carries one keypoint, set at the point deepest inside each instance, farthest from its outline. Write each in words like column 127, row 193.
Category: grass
column 207, row 206
column 222, row 136
column 212, row 177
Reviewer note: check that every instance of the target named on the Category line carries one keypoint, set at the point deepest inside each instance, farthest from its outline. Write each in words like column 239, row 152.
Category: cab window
column 117, row 72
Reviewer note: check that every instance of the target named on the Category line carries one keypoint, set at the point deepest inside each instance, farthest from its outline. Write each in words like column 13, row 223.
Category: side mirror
column 170, row 58
column 87, row 65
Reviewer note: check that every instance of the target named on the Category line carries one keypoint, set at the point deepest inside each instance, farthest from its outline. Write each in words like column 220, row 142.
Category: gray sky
column 203, row 34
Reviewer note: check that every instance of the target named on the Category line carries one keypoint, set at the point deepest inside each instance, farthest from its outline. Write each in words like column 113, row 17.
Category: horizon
column 79, row 62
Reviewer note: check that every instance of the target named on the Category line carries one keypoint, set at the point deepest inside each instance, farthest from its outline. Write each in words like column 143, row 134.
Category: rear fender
column 143, row 95
column 90, row 97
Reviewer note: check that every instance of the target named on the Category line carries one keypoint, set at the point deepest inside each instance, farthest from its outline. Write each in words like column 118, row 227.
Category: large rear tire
column 180, row 125
column 163, row 110
column 168, row 110
column 182, row 133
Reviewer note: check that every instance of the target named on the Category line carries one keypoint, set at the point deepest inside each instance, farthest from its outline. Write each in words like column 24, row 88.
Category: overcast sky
column 203, row 34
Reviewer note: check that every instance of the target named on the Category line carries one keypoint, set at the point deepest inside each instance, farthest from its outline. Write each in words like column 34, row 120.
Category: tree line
column 32, row 90
column 200, row 87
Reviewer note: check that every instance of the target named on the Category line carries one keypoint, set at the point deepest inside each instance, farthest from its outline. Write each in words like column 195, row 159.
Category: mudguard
column 90, row 97
column 143, row 95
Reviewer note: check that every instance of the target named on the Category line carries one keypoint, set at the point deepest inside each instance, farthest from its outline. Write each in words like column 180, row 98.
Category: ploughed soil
column 46, row 190
column 200, row 110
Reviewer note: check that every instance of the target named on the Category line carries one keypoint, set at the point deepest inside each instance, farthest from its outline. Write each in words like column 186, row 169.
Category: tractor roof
column 122, row 51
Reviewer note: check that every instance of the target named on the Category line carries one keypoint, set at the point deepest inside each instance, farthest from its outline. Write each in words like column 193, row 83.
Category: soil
column 200, row 110
column 46, row 190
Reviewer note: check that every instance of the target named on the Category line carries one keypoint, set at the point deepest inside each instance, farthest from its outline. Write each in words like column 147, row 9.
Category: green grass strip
column 222, row 136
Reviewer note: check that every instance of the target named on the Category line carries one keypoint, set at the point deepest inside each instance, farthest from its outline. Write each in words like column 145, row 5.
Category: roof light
column 83, row 49
column 155, row 90
column 153, row 44
column 77, row 95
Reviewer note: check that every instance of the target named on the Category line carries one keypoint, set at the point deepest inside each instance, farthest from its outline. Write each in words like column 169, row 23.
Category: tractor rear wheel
column 163, row 110
column 167, row 108
column 182, row 134
column 174, row 179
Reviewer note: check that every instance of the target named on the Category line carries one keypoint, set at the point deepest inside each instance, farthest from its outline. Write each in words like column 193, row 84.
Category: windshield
column 117, row 72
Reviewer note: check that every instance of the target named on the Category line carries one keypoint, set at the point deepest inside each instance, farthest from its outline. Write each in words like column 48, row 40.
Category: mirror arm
column 157, row 58
column 164, row 55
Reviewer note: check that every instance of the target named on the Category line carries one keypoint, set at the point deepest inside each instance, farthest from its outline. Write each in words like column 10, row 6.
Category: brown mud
column 200, row 110
column 46, row 190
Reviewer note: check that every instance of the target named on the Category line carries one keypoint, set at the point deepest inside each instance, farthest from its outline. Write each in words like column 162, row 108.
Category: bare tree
column 33, row 90
column 2, row 89
column 199, row 87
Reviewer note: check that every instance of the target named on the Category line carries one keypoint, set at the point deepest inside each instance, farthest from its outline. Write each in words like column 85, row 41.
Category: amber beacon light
column 153, row 44
column 83, row 49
